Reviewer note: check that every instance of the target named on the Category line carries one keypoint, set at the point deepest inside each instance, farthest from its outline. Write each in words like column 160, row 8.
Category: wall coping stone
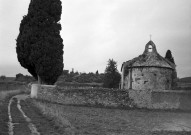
column 164, row 91
column 50, row 86
column 173, row 91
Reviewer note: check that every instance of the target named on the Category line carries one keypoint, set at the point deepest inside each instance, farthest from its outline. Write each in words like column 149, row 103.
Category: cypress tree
column 169, row 56
column 39, row 45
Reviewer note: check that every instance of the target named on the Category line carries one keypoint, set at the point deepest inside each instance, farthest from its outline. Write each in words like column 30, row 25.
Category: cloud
column 11, row 13
column 96, row 30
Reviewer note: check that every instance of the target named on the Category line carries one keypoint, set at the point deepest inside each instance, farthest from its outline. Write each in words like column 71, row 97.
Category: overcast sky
column 95, row 31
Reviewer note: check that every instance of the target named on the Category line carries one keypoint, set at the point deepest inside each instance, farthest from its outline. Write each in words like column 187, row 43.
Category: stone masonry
column 149, row 71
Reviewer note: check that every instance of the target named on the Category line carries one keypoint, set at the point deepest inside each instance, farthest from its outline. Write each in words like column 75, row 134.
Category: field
column 184, row 83
column 102, row 121
column 183, row 86
column 11, row 85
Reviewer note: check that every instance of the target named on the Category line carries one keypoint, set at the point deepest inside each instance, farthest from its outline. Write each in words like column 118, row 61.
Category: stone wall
column 171, row 99
column 161, row 99
column 141, row 98
column 92, row 97
column 153, row 78
column 151, row 99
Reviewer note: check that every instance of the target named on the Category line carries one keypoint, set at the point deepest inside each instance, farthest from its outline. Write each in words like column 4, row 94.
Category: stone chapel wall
column 149, row 78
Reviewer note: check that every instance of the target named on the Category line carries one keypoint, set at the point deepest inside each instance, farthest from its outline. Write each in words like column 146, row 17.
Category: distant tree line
column 24, row 78
column 110, row 78
column 81, row 77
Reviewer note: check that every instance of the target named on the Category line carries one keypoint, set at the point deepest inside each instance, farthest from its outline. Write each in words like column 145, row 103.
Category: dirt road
column 25, row 119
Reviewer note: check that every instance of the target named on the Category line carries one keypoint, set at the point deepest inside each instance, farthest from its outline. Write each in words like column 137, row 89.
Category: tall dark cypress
column 169, row 56
column 39, row 44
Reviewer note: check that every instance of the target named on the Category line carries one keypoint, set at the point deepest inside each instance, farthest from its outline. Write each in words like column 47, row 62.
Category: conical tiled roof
column 149, row 58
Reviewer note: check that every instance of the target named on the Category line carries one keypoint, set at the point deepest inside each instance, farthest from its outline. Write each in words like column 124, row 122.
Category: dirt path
column 25, row 119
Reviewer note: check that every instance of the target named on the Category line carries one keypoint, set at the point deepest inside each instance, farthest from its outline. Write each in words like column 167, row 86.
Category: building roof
column 149, row 58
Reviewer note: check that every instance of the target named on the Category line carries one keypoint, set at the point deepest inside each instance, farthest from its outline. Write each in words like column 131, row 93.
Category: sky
column 95, row 31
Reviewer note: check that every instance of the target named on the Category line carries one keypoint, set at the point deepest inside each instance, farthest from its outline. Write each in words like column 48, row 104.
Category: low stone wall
column 141, row 98
column 92, row 97
column 161, row 99
column 171, row 99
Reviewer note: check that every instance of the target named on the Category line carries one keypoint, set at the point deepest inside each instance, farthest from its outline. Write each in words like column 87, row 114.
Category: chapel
column 148, row 71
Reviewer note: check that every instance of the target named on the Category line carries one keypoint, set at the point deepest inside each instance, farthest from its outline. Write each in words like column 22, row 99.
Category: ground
column 101, row 121
column 28, row 119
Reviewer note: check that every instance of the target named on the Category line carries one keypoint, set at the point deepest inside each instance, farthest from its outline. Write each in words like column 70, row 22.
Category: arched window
column 150, row 48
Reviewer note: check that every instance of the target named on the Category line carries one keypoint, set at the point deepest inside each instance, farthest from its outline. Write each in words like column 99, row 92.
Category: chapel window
column 150, row 48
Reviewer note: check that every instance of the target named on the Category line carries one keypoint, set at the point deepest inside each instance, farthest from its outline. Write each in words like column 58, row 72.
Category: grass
column 11, row 85
column 10, row 88
column 9, row 93
column 5, row 94
column 55, row 113
column 102, row 121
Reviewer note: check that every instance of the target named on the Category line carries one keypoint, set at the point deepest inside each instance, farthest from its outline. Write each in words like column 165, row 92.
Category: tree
column 19, row 75
column 3, row 77
column 39, row 44
column 112, row 75
column 97, row 73
column 24, row 78
column 169, row 56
